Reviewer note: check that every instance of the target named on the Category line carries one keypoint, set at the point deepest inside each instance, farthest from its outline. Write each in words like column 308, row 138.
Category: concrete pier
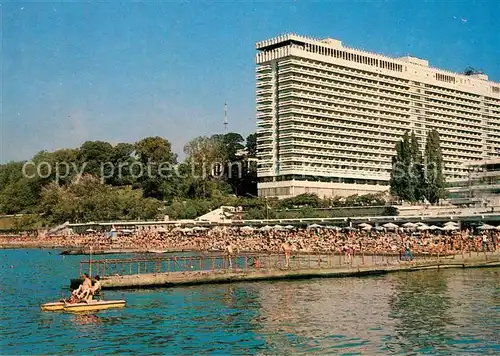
column 227, row 275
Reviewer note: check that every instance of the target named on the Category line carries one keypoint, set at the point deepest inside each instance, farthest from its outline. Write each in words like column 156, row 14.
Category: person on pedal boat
column 96, row 287
column 90, row 292
column 83, row 288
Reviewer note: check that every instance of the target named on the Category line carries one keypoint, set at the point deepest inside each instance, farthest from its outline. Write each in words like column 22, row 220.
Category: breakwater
column 188, row 270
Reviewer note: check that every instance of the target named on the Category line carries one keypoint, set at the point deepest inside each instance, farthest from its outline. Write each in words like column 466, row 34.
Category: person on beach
column 230, row 253
column 347, row 254
column 484, row 243
column 287, row 250
column 408, row 255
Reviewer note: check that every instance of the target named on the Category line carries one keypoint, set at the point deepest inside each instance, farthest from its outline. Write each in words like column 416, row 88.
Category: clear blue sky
column 73, row 72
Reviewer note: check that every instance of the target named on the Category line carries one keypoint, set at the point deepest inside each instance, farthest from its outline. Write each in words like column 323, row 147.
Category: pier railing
column 246, row 262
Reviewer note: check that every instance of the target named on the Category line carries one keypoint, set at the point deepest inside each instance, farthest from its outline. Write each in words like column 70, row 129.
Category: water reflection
column 346, row 314
column 420, row 305
column 85, row 319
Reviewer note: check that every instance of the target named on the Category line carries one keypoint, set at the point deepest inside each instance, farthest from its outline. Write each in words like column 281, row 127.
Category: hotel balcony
column 327, row 163
column 343, row 147
column 263, row 68
column 335, row 115
column 330, row 69
column 264, row 107
column 341, row 126
column 297, row 152
column 338, row 138
column 264, row 92
column 329, row 88
column 371, row 132
column 470, row 99
column 455, row 125
column 265, row 75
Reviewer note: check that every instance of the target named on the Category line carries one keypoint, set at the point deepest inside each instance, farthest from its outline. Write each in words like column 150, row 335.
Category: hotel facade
column 329, row 116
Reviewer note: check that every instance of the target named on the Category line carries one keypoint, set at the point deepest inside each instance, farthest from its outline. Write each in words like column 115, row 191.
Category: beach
column 302, row 240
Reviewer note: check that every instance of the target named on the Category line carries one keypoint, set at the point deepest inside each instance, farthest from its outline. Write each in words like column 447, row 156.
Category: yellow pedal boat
column 91, row 305
column 53, row 306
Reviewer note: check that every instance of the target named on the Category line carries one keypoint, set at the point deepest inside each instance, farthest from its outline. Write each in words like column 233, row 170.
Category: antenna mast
column 225, row 118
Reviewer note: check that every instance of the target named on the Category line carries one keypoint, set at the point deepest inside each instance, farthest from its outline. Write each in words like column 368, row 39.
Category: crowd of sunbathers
column 300, row 240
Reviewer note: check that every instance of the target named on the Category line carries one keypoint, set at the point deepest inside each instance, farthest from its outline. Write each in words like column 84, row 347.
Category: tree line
column 101, row 181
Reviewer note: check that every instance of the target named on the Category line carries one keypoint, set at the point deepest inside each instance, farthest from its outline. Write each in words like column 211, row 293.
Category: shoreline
column 78, row 251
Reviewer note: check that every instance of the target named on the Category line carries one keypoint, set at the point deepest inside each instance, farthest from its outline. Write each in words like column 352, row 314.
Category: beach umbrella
column 265, row 228
column 335, row 228
column 367, row 227
column 186, row 229
column 90, row 230
column 200, row 228
column 391, row 226
column 450, row 228
column 451, row 223
column 363, row 225
column 247, row 228
column 497, row 228
column 486, row 227
column 278, row 227
column 289, row 227
column 350, row 228
column 379, row 228
column 423, row 227
column 314, row 226
column 409, row 225
column 434, row 227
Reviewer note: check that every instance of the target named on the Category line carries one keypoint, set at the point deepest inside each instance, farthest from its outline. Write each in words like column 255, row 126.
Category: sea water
column 426, row 312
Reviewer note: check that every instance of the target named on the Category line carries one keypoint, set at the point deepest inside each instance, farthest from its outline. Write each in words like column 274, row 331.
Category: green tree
column 20, row 197
column 407, row 187
column 408, row 175
column 396, row 171
column 400, row 182
column 434, row 168
column 18, row 193
column 10, row 173
column 247, row 184
column 86, row 200
column 418, row 180
column 157, row 160
column 122, row 159
column 232, row 142
column 203, row 153
column 94, row 156
column 251, row 145
column 155, row 149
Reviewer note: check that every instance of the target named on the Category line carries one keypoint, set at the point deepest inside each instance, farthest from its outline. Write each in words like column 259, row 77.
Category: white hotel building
column 329, row 116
